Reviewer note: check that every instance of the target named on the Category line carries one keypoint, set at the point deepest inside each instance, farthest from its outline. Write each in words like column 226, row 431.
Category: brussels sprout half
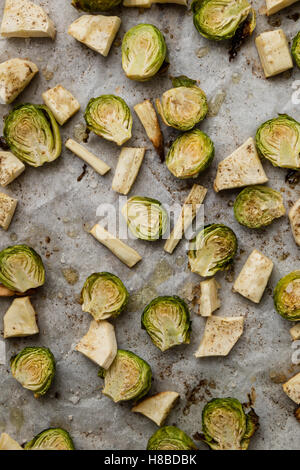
column 212, row 250
column 128, row 378
column 258, row 206
column 170, row 438
column 51, row 439
column 103, row 295
column 146, row 218
column 95, row 5
column 34, row 368
column 226, row 426
column 287, row 296
column 296, row 49
column 143, row 52
column 109, row 117
column 190, row 154
column 167, row 322
column 21, row 268
column 278, row 140
column 219, row 19
column 32, row 134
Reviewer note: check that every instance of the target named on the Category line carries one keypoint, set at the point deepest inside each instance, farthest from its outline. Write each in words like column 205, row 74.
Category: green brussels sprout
column 167, row 322
column 51, row 439
column 190, row 154
column 146, row 218
column 34, row 368
column 183, row 106
column 226, row 426
column 143, row 52
column 278, row 140
column 258, row 206
column 109, row 117
column 32, row 134
column 170, row 438
column 21, row 268
column 287, row 296
column 95, row 5
column 103, row 295
column 212, row 250
column 128, row 378
column 296, row 49
column 220, row 19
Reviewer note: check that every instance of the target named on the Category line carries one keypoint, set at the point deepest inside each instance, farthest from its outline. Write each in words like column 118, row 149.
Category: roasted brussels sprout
column 21, row 268
column 128, row 378
column 278, row 140
column 95, row 5
column 34, row 368
column 220, row 19
column 146, row 218
column 51, row 439
column 226, row 426
column 212, row 250
column 32, row 134
column 109, row 117
column 296, row 49
column 190, row 154
column 143, row 52
column 258, row 206
column 103, row 295
column 287, row 296
column 170, row 438
column 183, row 106
column 167, row 322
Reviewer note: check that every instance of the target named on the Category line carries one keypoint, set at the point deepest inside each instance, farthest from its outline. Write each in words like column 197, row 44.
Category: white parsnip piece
column 254, row 276
column 148, row 118
column 292, row 388
column 294, row 217
column 8, row 443
column 25, row 19
column 15, row 75
column 7, row 209
column 157, row 407
column 273, row 6
column 274, row 52
column 128, row 166
column 20, row 319
column 99, row 344
column 10, row 167
column 242, row 168
column 295, row 332
column 81, row 152
column 187, row 215
column 96, row 31
column 125, row 253
column 220, row 335
column 209, row 300
column 61, row 102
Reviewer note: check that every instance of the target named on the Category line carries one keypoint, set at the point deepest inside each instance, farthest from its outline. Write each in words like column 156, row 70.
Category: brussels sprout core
column 167, row 322
column 143, row 52
column 51, row 439
column 170, row 438
column 146, row 218
column 287, row 296
column 212, row 250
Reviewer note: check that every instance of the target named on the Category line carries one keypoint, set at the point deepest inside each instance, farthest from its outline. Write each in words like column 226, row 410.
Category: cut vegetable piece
column 61, row 102
column 292, row 388
column 8, row 443
column 254, row 276
column 187, row 215
column 7, row 209
column 125, row 253
column 220, row 335
column 274, row 52
column 273, row 6
column 242, row 168
column 146, row 218
column 99, row 166
column 5, row 292
column 24, row 19
column 209, row 300
column 148, row 118
column 287, row 296
column 138, row 3
column 157, row 407
column 96, row 32
column 15, row 75
column 294, row 216
column 95, row 5
column 170, row 438
column 10, row 168
column 51, row 439
column 295, row 332
column 99, row 344
column 20, row 319
column 128, row 166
